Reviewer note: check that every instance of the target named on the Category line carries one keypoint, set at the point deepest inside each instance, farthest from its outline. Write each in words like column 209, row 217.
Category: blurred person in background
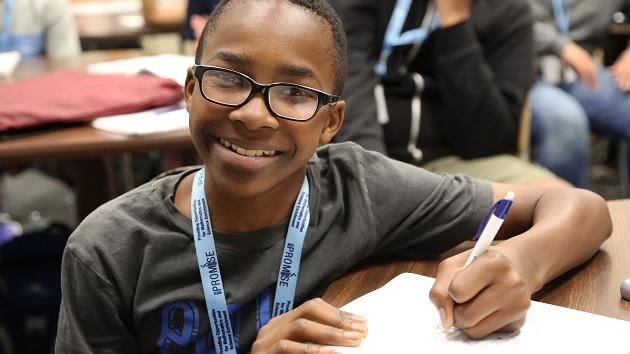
column 575, row 94
column 441, row 84
column 38, row 27
column 196, row 17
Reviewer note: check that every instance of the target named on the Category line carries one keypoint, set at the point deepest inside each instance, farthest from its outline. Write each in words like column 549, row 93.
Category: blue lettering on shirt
column 181, row 333
column 180, row 328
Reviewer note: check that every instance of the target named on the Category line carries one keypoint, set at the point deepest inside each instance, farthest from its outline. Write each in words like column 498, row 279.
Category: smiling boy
column 270, row 220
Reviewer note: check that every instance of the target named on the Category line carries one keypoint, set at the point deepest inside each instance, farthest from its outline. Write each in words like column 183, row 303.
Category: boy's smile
column 246, row 156
column 245, row 152
column 249, row 154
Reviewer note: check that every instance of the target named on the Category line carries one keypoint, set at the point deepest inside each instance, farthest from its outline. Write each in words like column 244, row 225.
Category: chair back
column 524, row 130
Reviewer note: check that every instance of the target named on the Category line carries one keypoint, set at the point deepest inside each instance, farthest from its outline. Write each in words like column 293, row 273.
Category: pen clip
column 499, row 209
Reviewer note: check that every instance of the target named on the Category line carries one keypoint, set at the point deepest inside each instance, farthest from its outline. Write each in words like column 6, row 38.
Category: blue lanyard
column 5, row 35
column 394, row 37
column 207, row 259
column 560, row 16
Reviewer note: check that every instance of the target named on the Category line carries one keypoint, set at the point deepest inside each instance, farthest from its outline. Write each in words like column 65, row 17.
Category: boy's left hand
column 313, row 327
column 490, row 295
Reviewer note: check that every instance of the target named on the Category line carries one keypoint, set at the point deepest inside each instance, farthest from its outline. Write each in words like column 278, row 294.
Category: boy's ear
column 333, row 124
column 189, row 88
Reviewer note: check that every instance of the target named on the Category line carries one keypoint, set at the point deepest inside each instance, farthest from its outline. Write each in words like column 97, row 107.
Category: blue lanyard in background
column 394, row 37
column 208, row 261
column 5, row 34
column 560, row 15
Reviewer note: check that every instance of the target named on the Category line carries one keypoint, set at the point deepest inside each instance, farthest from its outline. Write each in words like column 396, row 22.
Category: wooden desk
column 104, row 24
column 592, row 287
column 113, row 34
column 82, row 148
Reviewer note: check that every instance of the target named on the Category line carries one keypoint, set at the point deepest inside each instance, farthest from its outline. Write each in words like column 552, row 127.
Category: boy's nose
column 254, row 114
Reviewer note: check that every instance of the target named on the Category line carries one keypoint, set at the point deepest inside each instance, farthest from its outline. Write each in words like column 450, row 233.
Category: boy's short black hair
column 321, row 8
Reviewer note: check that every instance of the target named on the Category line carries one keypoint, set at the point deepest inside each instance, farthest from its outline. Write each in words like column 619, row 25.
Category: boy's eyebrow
column 293, row 70
column 242, row 60
column 233, row 58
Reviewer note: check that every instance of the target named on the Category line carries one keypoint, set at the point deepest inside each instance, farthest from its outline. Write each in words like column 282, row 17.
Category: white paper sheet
column 161, row 120
column 169, row 66
column 402, row 319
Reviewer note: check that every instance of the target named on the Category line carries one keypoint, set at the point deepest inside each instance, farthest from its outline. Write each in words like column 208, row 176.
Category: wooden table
column 120, row 24
column 592, row 287
column 84, row 149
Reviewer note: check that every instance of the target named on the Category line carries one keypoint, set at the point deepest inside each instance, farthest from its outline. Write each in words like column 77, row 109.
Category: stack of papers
column 402, row 319
column 161, row 120
column 170, row 66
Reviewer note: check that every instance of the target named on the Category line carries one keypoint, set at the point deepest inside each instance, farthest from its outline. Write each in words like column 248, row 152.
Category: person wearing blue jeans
column 577, row 96
column 608, row 106
column 558, row 122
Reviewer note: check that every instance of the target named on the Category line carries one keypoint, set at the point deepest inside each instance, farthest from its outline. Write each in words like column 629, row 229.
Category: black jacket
column 477, row 74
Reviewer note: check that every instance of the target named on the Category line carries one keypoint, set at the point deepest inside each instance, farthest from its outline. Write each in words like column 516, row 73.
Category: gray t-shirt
column 131, row 283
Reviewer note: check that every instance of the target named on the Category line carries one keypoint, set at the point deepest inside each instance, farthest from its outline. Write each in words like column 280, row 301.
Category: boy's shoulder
column 354, row 158
column 140, row 209
column 347, row 151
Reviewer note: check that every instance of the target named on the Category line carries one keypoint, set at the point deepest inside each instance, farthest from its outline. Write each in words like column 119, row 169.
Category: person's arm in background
column 549, row 41
column 621, row 68
column 62, row 39
column 483, row 88
column 553, row 231
column 361, row 124
column 197, row 13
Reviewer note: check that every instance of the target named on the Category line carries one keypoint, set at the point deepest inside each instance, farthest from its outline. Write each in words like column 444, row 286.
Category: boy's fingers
column 320, row 311
column 477, row 276
column 500, row 320
column 315, row 321
column 441, row 299
column 514, row 300
column 304, row 330
column 288, row 346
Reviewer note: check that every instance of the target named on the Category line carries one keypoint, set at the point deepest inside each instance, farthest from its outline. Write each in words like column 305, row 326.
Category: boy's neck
column 238, row 215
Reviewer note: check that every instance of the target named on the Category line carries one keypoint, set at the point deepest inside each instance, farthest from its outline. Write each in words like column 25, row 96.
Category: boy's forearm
column 568, row 228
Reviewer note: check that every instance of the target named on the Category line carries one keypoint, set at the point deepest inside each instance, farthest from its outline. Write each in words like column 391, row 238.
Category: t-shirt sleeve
column 418, row 212
column 90, row 319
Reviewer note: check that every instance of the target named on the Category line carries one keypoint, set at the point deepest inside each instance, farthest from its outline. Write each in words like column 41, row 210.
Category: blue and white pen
column 492, row 221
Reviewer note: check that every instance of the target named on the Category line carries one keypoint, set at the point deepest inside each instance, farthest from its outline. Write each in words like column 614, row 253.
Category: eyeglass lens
column 285, row 100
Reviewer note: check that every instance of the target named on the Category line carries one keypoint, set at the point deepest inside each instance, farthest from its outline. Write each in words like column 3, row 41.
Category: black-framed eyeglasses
column 284, row 100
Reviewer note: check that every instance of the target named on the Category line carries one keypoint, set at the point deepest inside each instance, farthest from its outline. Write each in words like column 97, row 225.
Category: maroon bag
column 72, row 96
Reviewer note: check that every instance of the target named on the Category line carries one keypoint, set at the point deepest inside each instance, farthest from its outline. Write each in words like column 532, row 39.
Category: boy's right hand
column 310, row 328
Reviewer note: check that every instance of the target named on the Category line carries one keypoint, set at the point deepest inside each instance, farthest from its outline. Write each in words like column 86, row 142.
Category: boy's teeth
column 241, row 151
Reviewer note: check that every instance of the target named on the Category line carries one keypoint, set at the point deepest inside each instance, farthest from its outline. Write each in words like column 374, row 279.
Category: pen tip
column 510, row 195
